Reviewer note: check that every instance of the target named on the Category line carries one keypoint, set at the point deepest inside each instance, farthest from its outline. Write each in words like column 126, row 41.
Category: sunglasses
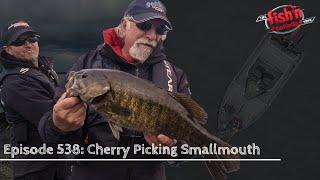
column 161, row 29
column 22, row 41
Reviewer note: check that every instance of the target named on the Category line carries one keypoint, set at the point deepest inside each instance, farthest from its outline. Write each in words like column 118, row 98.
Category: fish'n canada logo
column 284, row 19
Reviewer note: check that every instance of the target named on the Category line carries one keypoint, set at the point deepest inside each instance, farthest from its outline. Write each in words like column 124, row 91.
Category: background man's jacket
column 27, row 93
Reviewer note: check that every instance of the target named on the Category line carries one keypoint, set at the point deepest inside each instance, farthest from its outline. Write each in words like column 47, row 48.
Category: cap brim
column 148, row 16
column 19, row 33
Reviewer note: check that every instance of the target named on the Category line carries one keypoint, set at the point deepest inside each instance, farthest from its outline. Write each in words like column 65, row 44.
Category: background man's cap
column 13, row 30
column 144, row 10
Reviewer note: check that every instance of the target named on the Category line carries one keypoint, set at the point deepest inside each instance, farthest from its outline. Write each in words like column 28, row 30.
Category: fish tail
column 222, row 163
column 216, row 170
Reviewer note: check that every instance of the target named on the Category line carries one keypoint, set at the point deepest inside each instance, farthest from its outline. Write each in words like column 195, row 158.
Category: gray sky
column 68, row 28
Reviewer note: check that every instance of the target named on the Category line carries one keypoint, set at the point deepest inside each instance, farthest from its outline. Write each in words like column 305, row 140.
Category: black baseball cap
column 144, row 10
column 13, row 30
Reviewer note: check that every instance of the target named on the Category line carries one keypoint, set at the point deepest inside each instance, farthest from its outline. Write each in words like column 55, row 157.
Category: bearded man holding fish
column 135, row 46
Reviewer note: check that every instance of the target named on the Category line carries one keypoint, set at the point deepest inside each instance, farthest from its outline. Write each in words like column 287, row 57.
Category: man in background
column 27, row 90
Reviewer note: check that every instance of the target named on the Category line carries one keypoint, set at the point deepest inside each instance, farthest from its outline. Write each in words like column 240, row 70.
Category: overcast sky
column 68, row 28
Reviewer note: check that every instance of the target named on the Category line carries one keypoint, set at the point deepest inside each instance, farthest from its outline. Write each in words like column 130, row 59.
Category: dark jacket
column 96, row 129
column 27, row 93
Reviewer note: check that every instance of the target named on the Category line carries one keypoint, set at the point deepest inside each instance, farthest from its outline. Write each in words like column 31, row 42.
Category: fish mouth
column 97, row 100
column 70, row 90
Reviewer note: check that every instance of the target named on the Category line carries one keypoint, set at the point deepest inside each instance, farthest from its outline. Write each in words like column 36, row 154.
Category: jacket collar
column 8, row 61
column 114, row 44
column 111, row 39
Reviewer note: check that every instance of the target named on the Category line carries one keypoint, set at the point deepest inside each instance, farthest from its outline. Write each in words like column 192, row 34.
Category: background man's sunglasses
column 161, row 29
column 22, row 41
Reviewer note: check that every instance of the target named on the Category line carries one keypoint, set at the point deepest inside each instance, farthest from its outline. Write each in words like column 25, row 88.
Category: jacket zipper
column 137, row 73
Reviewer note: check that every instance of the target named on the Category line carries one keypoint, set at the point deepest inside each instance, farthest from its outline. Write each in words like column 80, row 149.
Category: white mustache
column 147, row 41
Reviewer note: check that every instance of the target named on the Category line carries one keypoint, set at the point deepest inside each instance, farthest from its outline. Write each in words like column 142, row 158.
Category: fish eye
column 84, row 76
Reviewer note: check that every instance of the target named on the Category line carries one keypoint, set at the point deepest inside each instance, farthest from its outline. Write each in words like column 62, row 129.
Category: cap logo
column 24, row 70
column 21, row 23
column 156, row 5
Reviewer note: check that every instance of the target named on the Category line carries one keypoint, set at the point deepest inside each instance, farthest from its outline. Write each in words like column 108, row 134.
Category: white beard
column 141, row 52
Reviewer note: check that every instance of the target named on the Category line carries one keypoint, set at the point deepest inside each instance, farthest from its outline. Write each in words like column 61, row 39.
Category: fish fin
column 115, row 130
column 195, row 110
